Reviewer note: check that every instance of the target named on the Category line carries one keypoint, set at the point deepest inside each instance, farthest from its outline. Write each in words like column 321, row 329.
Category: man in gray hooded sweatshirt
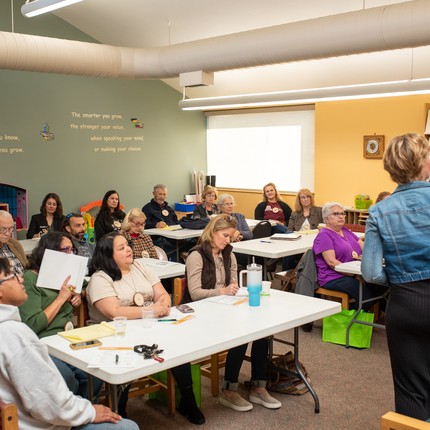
column 29, row 378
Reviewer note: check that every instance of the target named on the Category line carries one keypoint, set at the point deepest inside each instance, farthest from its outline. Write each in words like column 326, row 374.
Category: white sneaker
column 235, row 402
column 264, row 399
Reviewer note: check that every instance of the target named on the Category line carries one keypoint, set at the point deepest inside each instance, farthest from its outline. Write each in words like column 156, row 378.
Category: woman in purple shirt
column 336, row 244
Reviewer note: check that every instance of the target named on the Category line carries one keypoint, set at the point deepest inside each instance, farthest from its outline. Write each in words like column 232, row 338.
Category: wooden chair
column 331, row 293
column 209, row 367
column 148, row 385
column 9, row 417
column 355, row 227
column 393, row 421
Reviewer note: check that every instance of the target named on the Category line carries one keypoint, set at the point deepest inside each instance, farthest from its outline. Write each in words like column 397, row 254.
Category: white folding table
column 276, row 248
column 186, row 233
column 177, row 235
column 29, row 245
column 270, row 248
column 197, row 338
column 354, row 267
column 164, row 269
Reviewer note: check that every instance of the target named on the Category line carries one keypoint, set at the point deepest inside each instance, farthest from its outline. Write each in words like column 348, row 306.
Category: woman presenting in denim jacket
column 398, row 230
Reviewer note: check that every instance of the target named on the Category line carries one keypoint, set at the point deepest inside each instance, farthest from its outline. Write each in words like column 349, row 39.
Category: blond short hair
column 405, row 156
column 131, row 215
column 209, row 190
column 220, row 222
column 278, row 196
column 297, row 204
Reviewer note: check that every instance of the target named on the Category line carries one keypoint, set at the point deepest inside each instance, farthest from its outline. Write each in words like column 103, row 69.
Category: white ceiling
column 152, row 23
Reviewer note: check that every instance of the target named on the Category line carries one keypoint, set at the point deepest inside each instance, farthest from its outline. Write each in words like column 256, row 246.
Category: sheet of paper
column 156, row 263
column 106, row 357
column 228, row 300
column 57, row 266
column 174, row 314
column 355, row 263
column 91, row 332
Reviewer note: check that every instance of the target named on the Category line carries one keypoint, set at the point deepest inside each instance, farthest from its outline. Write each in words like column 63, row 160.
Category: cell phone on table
column 88, row 344
column 185, row 309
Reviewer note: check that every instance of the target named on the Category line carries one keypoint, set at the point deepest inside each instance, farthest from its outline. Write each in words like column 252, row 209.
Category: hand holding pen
column 230, row 290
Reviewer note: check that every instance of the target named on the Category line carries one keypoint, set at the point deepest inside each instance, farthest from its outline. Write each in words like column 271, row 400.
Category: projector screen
column 250, row 150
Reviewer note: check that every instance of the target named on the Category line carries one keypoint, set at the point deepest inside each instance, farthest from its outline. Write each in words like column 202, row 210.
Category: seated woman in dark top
column 306, row 216
column 110, row 215
column 50, row 218
column 208, row 207
column 272, row 207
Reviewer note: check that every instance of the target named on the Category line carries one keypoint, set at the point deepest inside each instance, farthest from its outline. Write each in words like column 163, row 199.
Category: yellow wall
column 341, row 171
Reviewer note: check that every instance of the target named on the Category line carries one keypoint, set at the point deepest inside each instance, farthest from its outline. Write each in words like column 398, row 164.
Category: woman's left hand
column 75, row 300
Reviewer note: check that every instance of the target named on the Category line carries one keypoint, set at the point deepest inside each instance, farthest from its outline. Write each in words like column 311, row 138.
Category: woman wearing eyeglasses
column 336, row 244
column 140, row 243
column 306, row 216
column 208, row 206
column 48, row 311
column 226, row 206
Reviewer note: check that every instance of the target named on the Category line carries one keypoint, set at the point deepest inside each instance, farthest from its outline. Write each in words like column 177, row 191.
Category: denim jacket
column 398, row 229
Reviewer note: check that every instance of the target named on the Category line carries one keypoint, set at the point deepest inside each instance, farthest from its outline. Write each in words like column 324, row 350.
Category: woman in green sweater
column 48, row 311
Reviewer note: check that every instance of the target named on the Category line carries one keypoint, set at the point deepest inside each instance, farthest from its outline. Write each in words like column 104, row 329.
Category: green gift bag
column 334, row 329
column 197, row 386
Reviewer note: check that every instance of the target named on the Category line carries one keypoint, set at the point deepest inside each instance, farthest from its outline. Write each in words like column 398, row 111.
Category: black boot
column 188, row 406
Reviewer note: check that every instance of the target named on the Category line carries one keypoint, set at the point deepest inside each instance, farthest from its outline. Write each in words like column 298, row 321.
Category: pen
column 167, row 320
column 265, row 241
column 116, row 359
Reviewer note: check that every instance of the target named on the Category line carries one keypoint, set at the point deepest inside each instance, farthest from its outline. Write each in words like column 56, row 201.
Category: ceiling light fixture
column 349, row 92
column 37, row 7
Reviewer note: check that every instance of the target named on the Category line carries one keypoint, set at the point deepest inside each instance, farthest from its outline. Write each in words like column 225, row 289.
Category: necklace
column 353, row 253
column 138, row 299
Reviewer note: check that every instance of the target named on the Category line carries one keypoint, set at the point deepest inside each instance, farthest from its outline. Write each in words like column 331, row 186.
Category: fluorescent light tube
column 37, row 7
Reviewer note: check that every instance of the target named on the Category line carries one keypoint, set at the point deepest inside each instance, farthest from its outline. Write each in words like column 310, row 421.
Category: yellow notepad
column 92, row 332
column 171, row 227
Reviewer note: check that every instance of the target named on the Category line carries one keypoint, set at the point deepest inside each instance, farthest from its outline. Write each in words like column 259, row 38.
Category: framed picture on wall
column 373, row 146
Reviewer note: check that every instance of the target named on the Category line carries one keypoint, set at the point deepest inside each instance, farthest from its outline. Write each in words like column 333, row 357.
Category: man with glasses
column 29, row 378
column 75, row 225
column 11, row 248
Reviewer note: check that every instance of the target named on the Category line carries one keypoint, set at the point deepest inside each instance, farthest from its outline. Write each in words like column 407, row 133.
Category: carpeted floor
column 354, row 388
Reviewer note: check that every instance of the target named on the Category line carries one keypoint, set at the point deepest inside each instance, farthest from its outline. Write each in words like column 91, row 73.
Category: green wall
column 78, row 168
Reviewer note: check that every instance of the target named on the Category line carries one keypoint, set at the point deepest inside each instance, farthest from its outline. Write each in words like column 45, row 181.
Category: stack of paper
column 91, row 332
column 287, row 236
column 58, row 266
